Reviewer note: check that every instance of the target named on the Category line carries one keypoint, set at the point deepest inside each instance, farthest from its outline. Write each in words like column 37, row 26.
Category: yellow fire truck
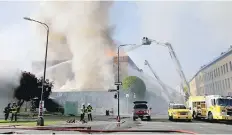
column 211, row 107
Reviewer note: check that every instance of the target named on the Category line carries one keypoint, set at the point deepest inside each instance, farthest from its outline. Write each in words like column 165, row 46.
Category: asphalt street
column 157, row 123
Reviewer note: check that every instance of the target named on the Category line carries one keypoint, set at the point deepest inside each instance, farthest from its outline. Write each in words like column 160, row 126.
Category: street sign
column 112, row 90
column 118, row 83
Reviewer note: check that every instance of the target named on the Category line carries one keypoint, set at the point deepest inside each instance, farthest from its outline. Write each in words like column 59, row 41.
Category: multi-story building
column 215, row 77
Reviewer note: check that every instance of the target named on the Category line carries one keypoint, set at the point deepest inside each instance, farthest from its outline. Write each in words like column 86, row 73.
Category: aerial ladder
column 159, row 81
column 184, row 82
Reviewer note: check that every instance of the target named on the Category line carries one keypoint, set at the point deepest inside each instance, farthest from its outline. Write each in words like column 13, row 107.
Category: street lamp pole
column 118, row 118
column 40, row 121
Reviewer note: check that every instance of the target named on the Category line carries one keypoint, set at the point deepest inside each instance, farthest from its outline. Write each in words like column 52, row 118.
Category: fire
column 112, row 53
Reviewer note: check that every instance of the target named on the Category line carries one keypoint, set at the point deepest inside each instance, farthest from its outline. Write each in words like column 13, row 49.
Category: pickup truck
column 141, row 111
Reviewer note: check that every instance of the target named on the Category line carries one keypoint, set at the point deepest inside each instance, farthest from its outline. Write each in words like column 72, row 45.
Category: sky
column 198, row 32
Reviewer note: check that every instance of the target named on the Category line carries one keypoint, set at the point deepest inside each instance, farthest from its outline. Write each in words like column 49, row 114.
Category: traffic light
column 115, row 96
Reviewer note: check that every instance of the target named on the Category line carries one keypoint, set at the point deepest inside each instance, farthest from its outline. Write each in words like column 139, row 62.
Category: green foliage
column 136, row 86
column 128, row 81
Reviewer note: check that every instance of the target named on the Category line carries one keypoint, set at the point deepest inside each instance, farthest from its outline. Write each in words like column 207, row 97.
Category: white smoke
column 80, row 31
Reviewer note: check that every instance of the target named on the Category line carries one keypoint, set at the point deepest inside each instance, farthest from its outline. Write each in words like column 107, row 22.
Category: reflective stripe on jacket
column 89, row 108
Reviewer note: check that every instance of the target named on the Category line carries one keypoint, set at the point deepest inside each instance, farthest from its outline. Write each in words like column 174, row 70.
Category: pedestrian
column 14, row 110
column 89, row 111
column 7, row 111
column 83, row 110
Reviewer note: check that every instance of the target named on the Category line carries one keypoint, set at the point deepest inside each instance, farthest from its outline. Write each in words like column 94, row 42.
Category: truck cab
column 211, row 107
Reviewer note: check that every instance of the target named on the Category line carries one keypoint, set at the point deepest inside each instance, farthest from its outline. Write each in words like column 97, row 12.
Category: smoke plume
column 80, row 31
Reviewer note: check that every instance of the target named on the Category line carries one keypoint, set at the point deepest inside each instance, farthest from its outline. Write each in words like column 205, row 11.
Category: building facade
column 215, row 77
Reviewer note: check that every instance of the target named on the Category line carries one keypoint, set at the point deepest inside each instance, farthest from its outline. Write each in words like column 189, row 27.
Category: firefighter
column 89, row 111
column 14, row 110
column 7, row 111
column 83, row 110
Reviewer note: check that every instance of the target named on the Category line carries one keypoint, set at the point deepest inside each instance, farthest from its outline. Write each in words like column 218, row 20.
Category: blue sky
column 198, row 31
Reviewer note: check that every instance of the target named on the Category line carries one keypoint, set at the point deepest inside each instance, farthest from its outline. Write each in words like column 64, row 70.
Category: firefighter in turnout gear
column 89, row 111
column 83, row 110
column 7, row 111
column 14, row 110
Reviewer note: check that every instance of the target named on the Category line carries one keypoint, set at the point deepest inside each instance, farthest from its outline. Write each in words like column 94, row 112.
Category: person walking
column 89, row 111
column 7, row 111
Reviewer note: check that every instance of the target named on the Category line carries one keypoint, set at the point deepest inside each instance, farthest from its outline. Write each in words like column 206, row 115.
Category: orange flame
column 111, row 53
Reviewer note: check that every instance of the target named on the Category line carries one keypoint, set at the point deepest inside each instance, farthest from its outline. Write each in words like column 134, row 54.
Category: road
column 157, row 123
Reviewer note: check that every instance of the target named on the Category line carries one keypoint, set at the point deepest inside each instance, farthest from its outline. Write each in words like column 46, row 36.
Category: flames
column 112, row 53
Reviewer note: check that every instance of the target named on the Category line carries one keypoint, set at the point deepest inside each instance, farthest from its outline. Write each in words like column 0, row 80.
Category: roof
column 223, row 55
column 175, row 104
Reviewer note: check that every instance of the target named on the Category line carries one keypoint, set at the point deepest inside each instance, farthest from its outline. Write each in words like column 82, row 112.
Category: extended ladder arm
column 158, row 79
column 185, row 84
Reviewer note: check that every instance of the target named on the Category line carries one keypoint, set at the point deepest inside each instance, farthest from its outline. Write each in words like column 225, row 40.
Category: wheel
column 194, row 115
column 189, row 120
column 149, row 118
column 210, row 117
column 170, row 118
column 134, row 118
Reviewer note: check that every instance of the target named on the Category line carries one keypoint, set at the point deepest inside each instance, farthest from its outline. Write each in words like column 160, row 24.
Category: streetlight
column 147, row 41
column 40, row 121
column 119, row 83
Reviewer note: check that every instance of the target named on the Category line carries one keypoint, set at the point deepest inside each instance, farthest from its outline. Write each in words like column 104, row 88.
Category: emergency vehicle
column 179, row 112
column 211, row 107
column 141, row 110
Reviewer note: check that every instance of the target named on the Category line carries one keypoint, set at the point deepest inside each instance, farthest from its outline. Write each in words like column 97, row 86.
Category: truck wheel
column 194, row 115
column 189, row 120
column 149, row 118
column 170, row 118
column 210, row 117
column 134, row 118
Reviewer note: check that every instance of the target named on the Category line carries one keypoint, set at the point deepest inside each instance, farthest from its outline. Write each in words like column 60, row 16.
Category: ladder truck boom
column 158, row 79
column 184, row 83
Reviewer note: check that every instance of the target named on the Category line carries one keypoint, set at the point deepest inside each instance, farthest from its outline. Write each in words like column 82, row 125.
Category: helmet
column 88, row 103
column 83, row 104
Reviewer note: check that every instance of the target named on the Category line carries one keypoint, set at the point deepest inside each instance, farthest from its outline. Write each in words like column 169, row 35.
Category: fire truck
column 211, row 107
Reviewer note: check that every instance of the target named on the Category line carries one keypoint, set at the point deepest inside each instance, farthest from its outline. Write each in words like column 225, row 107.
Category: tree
column 128, row 81
column 136, row 86
column 30, row 87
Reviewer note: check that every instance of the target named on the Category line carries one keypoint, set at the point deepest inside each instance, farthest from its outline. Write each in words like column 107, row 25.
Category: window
column 223, row 85
column 230, row 66
column 220, row 86
column 228, row 82
column 224, row 68
column 227, row 69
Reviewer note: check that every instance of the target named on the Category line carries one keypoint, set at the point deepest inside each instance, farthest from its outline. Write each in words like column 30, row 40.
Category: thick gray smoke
column 80, row 31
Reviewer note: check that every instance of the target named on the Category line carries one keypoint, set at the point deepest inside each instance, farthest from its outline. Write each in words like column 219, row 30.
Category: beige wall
column 215, row 79
column 193, row 88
